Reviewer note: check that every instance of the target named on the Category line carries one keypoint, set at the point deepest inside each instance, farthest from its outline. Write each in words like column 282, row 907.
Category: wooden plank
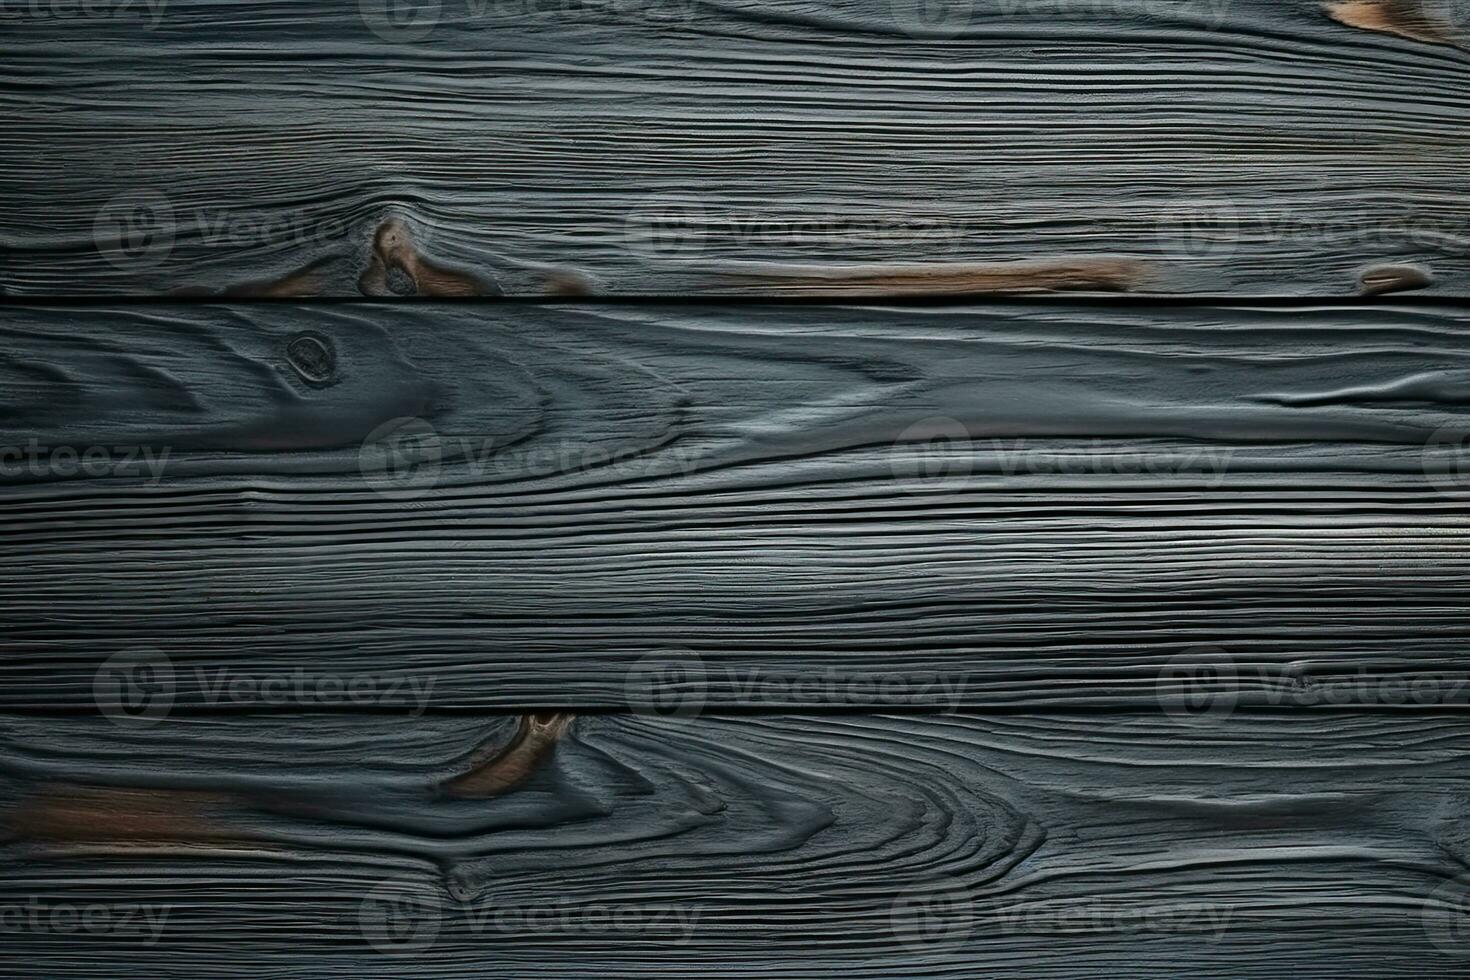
column 1014, row 504
column 1029, row 846
column 1232, row 147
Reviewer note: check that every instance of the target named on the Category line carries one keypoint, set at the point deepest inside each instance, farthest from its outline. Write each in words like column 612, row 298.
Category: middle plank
column 563, row 506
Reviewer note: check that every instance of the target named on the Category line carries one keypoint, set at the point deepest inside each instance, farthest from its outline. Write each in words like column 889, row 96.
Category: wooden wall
column 738, row 488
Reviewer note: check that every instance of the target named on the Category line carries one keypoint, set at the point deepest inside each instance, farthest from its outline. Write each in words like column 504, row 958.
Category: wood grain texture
column 1231, row 147
column 857, row 506
column 1036, row 846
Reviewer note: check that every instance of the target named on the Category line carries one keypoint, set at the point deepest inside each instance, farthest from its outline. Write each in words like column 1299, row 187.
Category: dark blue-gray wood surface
column 1226, row 147
column 1031, row 640
column 984, row 505
column 1038, row 846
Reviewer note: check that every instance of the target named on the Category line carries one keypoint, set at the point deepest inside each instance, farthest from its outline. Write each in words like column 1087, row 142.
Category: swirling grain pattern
column 1035, row 846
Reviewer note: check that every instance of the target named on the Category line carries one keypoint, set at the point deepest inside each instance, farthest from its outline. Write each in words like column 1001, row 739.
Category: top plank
column 841, row 147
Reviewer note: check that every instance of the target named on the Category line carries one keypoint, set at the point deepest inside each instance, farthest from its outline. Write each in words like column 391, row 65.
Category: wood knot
column 493, row 770
column 1382, row 279
column 312, row 357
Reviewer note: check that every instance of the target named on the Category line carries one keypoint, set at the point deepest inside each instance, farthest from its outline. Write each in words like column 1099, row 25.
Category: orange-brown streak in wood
column 1406, row 18
column 62, row 813
column 1055, row 275
column 394, row 248
column 494, row 771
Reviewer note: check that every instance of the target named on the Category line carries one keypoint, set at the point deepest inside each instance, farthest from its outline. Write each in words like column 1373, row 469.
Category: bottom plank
column 1328, row 845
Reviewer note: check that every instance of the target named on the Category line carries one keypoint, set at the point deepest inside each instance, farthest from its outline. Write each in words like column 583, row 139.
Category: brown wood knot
column 1382, row 279
column 313, row 356
column 493, row 770
column 394, row 250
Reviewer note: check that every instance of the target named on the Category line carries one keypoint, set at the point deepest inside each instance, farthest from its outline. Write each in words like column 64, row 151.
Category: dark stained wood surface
column 1226, row 147
column 1067, row 637
column 1037, row 846
column 987, row 505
